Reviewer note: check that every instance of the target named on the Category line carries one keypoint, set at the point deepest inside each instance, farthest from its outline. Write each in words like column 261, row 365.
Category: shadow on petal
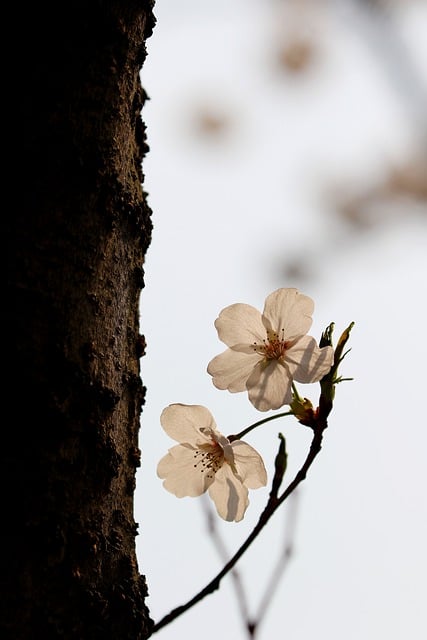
column 308, row 362
column 232, row 502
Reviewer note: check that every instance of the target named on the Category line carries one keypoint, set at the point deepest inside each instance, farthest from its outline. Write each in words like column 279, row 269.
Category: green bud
column 303, row 410
column 328, row 382
column 280, row 464
column 326, row 338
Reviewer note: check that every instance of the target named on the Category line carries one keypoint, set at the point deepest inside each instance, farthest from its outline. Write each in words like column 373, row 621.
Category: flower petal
column 240, row 323
column 290, row 310
column 231, row 369
column 181, row 476
column 182, row 422
column 269, row 386
column 229, row 495
column 307, row 362
column 249, row 465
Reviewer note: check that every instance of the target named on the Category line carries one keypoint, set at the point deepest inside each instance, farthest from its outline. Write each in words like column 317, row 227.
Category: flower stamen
column 209, row 458
column 274, row 347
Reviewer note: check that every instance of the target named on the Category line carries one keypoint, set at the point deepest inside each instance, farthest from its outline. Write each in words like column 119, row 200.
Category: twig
column 272, row 505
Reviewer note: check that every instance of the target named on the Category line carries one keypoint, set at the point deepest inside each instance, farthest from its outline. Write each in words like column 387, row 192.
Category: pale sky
column 246, row 163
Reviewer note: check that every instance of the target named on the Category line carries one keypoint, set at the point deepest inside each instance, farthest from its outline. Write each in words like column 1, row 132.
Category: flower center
column 209, row 458
column 274, row 347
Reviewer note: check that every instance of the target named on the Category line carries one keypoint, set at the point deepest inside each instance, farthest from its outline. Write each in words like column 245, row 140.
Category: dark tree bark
column 77, row 234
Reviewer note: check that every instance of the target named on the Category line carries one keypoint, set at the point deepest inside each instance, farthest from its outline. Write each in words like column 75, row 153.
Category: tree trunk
column 81, row 229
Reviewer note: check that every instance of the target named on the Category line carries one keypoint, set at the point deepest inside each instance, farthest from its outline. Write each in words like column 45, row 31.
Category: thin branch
column 239, row 435
column 272, row 505
column 252, row 624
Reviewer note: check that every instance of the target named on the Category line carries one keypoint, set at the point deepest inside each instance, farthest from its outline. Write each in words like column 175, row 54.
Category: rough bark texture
column 80, row 230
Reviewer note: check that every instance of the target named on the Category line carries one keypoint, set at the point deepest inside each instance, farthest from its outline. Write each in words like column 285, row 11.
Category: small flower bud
column 303, row 410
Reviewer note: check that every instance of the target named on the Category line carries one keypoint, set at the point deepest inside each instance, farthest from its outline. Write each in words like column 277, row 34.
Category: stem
column 295, row 390
column 272, row 505
column 257, row 424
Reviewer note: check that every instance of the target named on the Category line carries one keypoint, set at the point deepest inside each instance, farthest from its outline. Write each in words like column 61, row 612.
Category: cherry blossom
column 207, row 460
column 268, row 351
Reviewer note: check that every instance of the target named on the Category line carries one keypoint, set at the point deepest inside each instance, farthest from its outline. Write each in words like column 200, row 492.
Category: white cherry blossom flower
column 268, row 351
column 207, row 460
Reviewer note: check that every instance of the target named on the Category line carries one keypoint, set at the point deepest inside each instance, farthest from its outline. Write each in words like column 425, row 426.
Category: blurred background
column 288, row 148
